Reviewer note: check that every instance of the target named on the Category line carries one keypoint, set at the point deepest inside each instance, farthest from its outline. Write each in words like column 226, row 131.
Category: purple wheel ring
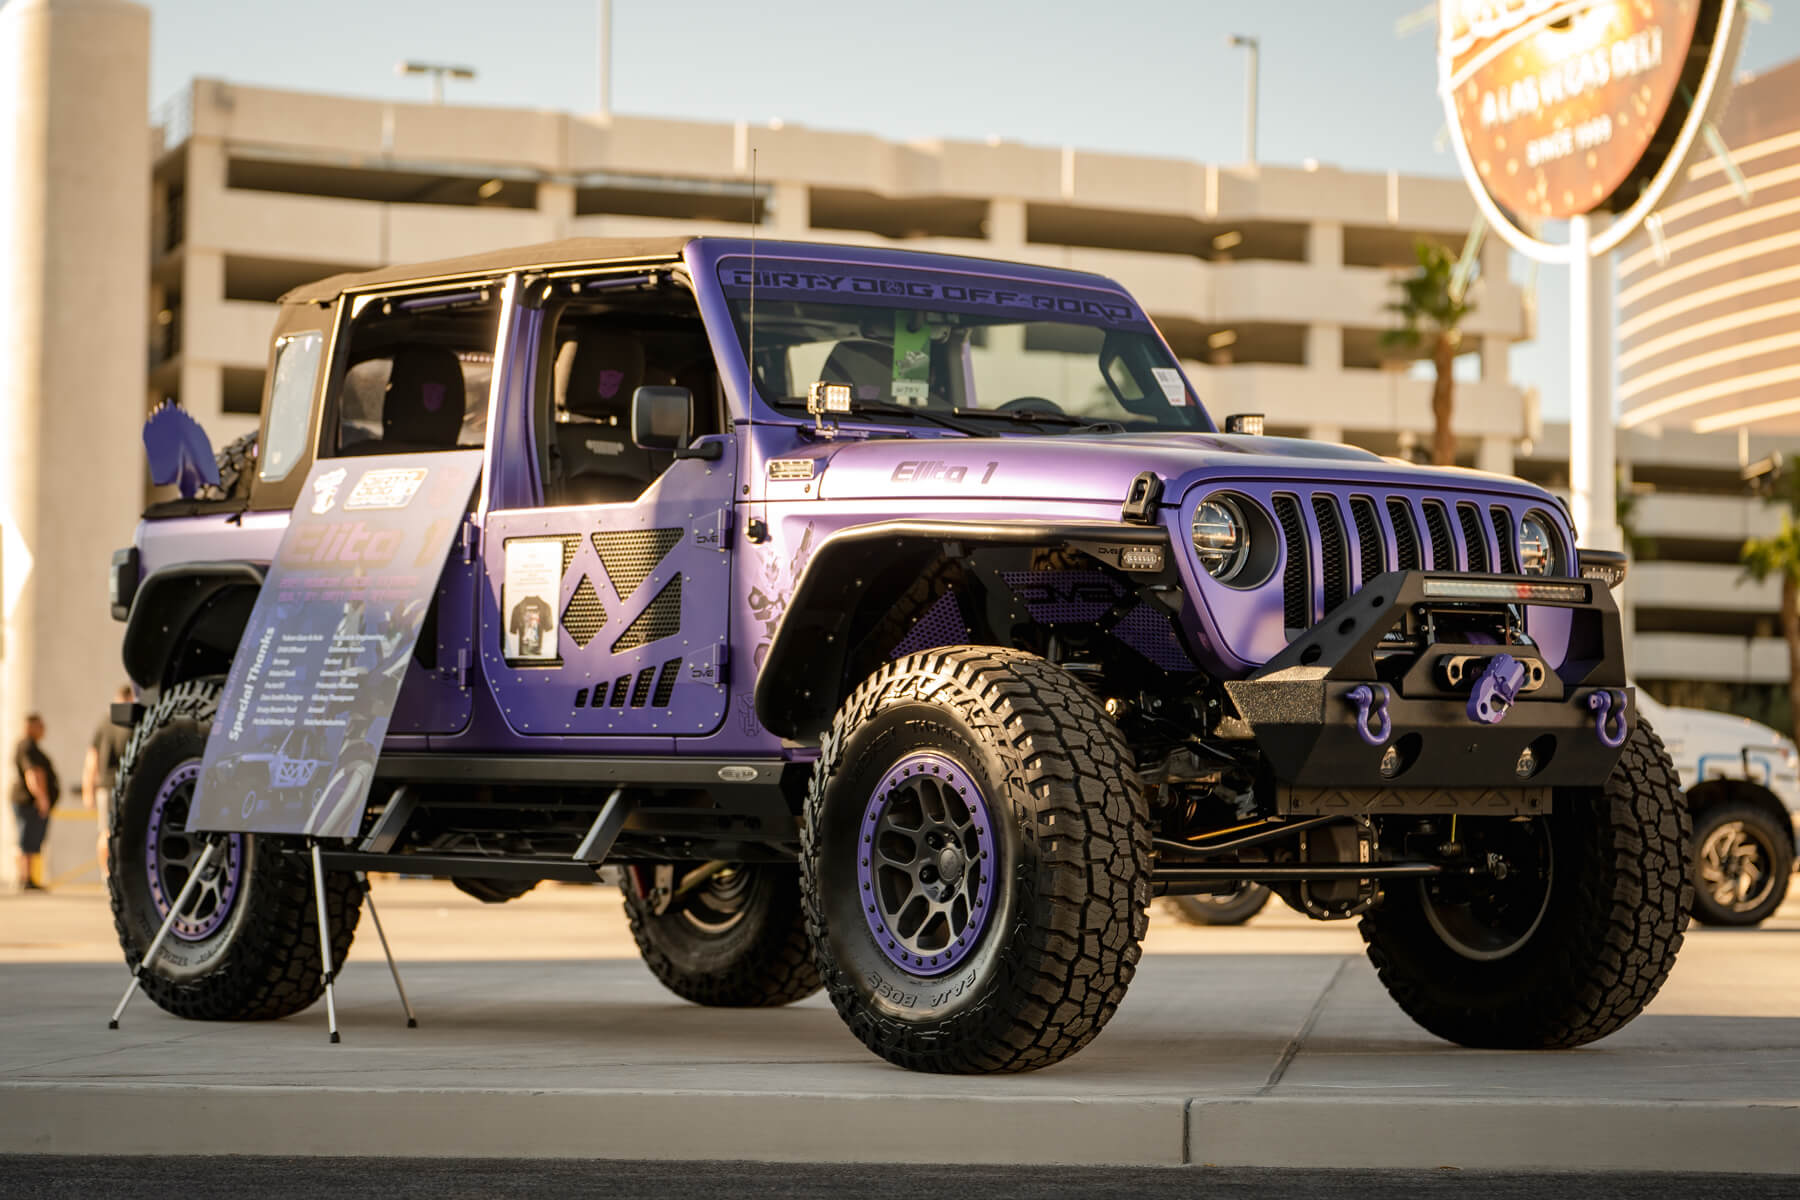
column 926, row 863
column 170, row 854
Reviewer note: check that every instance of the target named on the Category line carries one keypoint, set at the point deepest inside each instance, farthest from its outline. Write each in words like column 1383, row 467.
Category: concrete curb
column 1365, row 1132
column 150, row 1119
column 1497, row 1135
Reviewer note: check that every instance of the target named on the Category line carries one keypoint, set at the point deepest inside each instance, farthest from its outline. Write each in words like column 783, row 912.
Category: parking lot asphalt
column 540, row 1035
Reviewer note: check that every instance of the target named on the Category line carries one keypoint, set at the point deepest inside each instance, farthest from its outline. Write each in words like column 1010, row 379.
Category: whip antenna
column 750, row 353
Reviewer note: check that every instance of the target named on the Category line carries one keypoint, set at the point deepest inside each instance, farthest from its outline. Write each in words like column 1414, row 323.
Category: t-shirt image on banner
column 310, row 692
column 528, row 597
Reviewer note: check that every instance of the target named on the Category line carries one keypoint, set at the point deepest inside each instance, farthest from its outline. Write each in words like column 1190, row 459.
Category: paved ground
column 1271, row 1045
column 46, row 1177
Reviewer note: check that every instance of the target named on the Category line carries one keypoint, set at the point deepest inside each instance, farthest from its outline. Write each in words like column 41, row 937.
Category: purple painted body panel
column 735, row 589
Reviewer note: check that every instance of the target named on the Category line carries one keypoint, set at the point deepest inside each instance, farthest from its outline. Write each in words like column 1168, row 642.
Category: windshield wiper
column 884, row 408
column 1038, row 416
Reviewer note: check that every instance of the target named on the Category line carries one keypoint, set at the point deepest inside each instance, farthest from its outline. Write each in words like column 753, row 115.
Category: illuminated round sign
column 1562, row 108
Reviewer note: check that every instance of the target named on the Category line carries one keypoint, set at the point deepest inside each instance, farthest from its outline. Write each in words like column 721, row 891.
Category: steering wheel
column 1029, row 404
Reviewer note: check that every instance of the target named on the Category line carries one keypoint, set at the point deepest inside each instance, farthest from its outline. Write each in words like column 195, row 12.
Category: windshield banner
column 905, row 287
column 309, row 695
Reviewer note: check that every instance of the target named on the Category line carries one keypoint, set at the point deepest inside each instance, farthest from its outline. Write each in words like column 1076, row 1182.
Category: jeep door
column 411, row 372
column 606, row 587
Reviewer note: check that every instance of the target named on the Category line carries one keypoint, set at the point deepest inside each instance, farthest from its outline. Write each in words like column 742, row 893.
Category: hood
column 1099, row 467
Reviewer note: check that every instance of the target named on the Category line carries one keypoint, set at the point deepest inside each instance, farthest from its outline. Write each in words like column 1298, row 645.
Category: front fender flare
column 803, row 677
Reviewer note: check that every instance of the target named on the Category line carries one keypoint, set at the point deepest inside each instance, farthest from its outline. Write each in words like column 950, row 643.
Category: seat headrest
column 865, row 365
column 607, row 369
column 425, row 399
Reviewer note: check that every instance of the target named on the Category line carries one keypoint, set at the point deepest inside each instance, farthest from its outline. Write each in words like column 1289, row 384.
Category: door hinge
column 471, row 539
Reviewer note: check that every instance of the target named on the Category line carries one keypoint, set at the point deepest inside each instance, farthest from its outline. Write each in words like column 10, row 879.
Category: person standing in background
column 34, row 794
column 99, row 772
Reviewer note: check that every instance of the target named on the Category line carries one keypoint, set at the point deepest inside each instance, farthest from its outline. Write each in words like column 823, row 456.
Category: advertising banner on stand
column 307, row 702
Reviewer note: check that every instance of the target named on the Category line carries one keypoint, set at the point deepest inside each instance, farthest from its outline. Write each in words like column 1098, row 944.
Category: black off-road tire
column 751, row 955
column 1070, row 825
column 1774, row 841
column 263, row 962
column 1233, row 909
column 1616, row 912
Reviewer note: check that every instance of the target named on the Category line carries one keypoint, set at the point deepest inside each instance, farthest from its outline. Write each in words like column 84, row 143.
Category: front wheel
column 1742, row 859
column 1571, row 939
column 975, row 862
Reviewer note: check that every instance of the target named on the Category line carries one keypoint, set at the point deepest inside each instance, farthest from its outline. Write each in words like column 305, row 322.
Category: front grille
column 1368, row 537
column 1296, row 594
column 1474, row 541
column 1424, row 537
column 1509, row 561
column 1406, row 537
column 1332, row 565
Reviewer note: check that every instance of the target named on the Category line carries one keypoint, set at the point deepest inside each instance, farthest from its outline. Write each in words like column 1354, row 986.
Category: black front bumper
column 1301, row 708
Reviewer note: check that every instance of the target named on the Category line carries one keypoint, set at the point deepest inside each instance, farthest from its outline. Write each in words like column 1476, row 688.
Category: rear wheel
column 1742, row 860
column 1571, row 936
column 976, row 862
column 1226, row 908
column 731, row 936
column 246, row 945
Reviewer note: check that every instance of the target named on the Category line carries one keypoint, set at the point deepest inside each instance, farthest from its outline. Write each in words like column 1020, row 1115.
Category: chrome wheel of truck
column 1569, row 938
column 975, row 862
column 246, row 946
column 1742, row 860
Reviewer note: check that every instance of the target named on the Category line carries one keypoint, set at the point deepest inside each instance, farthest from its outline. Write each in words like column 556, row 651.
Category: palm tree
column 1433, row 309
column 1780, row 555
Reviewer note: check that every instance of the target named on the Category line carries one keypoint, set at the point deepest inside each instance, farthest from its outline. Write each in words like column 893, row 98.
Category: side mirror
column 1245, row 423
column 662, row 418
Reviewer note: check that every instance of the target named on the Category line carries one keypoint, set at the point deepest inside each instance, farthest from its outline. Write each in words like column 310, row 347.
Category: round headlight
column 1221, row 538
column 1537, row 545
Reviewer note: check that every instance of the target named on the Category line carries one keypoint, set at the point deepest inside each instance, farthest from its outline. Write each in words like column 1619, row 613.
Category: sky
column 1158, row 77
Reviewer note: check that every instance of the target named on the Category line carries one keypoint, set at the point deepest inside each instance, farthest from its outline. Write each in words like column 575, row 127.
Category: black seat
column 422, row 406
column 599, row 463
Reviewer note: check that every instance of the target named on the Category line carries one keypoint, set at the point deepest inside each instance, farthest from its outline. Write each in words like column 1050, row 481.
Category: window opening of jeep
column 601, row 348
column 959, row 350
column 418, row 372
column 290, row 402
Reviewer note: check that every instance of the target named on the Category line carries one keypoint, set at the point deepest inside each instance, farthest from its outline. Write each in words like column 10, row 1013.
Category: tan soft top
column 568, row 252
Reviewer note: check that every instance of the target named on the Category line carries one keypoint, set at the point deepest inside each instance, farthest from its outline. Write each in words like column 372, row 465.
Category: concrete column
column 1325, row 347
column 1495, row 359
column 74, row 246
column 1325, row 243
column 1006, row 222
column 1495, row 454
column 791, row 205
column 557, row 202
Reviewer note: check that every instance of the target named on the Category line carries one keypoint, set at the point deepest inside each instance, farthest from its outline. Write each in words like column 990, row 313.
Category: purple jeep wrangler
column 916, row 626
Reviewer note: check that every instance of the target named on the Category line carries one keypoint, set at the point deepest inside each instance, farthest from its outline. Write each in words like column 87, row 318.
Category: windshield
column 943, row 343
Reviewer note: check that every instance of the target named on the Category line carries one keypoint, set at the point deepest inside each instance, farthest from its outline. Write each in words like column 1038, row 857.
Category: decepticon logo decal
column 325, row 489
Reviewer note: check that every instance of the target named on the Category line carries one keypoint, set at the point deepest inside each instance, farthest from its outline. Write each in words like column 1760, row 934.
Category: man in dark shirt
column 34, row 793
column 99, row 771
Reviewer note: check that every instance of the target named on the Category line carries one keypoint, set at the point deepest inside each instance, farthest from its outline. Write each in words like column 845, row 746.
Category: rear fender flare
column 187, row 620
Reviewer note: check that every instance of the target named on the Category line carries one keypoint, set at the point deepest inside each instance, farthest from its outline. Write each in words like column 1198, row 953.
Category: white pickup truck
column 1742, row 781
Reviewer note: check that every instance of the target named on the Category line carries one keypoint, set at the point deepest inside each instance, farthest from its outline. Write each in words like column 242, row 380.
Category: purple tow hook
column 1496, row 690
column 1610, row 725
column 1373, row 724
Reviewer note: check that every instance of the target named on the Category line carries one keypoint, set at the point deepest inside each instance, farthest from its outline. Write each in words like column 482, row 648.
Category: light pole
column 438, row 73
column 1250, row 92
column 605, row 49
